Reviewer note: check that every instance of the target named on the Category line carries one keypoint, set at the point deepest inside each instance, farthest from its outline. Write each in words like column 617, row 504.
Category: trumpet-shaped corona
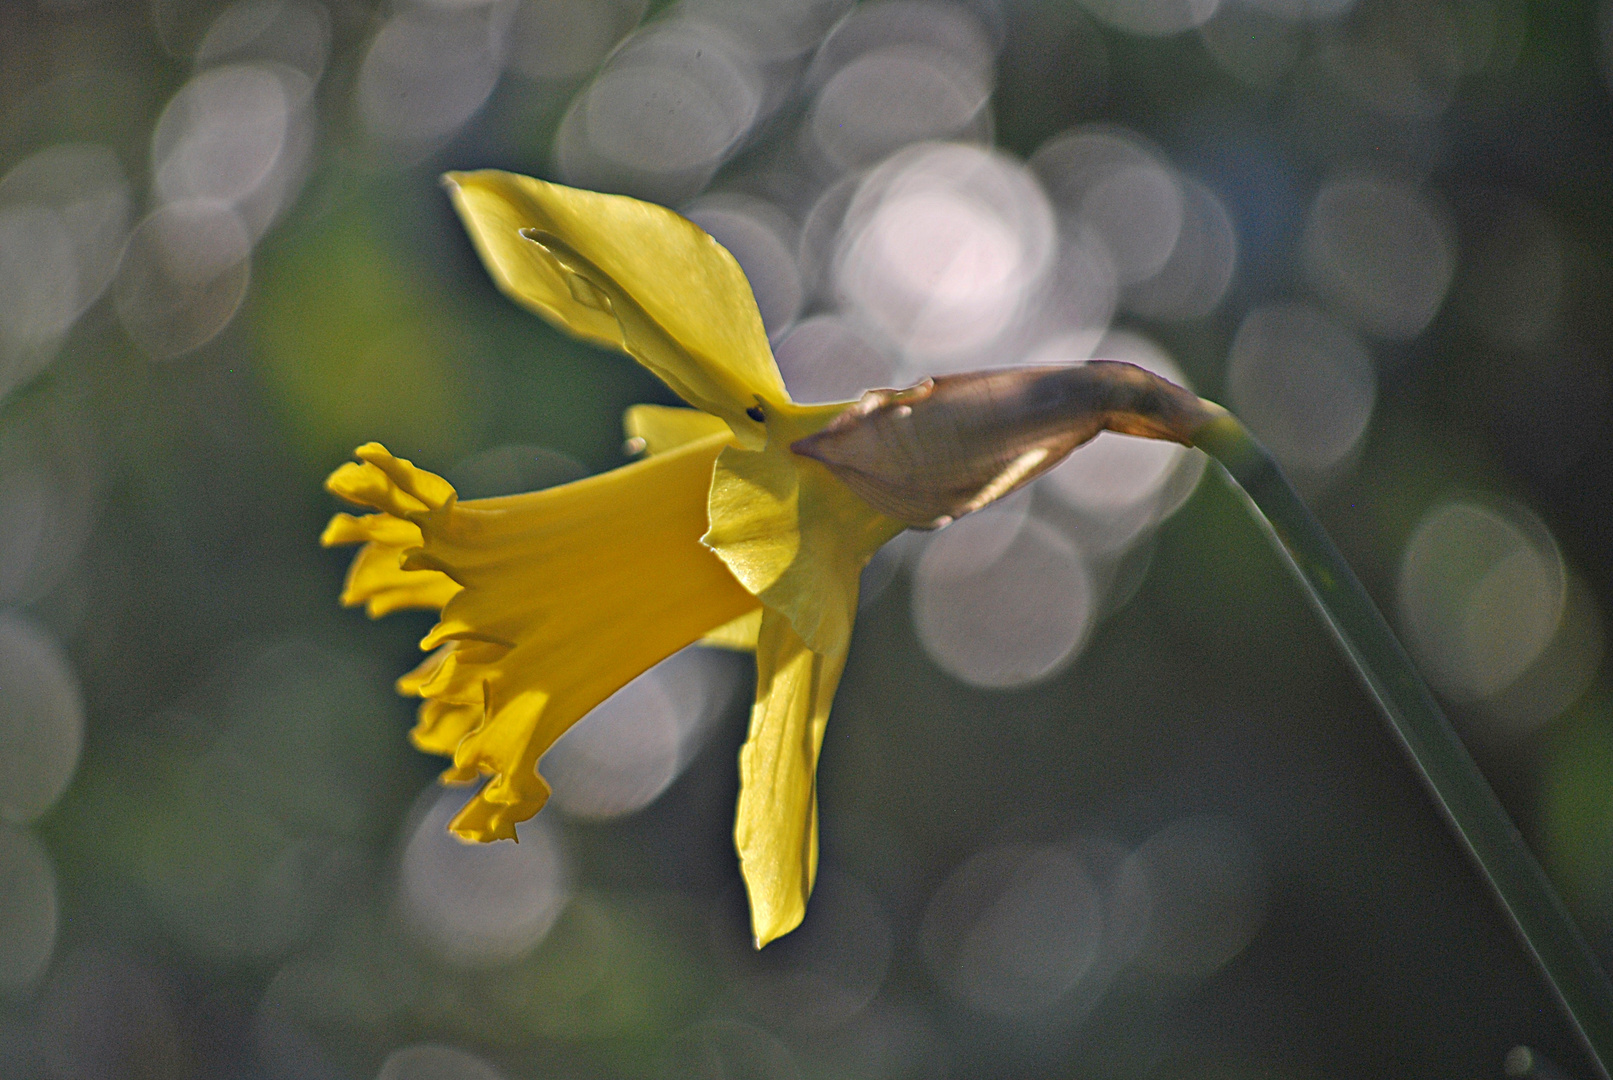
column 555, row 599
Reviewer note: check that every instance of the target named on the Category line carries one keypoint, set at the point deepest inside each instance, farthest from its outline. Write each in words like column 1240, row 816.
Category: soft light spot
column 28, row 909
column 829, row 358
column 1377, row 250
column 1195, row 278
column 1481, row 594
column 946, row 27
column 1014, row 929
column 761, row 239
column 41, row 719
column 480, row 905
column 83, row 186
column 184, row 275
column 39, row 290
column 668, row 108
column 623, row 754
column 428, row 71
column 1112, row 190
column 291, row 32
column 1304, row 384
column 888, row 98
column 1000, row 600
column 942, row 249
column 1193, row 897
column 236, row 135
column 558, row 40
column 429, row 1061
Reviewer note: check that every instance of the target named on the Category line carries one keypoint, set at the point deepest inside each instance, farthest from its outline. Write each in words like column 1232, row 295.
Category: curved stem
column 1433, row 745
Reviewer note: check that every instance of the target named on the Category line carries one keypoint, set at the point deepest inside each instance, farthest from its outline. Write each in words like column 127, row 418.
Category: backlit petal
column 375, row 577
column 632, row 275
column 665, row 427
column 776, row 826
column 391, row 485
column 792, row 533
column 566, row 595
column 739, row 635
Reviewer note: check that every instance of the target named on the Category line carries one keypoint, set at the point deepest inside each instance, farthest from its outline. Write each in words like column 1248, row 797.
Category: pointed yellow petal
column 347, row 529
column 776, row 826
column 376, row 578
column 666, row 428
column 628, row 274
column 739, row 635
column 440, row 725
column 411, row 684
column 792, row 533
column 566, row 595
column 387, row 483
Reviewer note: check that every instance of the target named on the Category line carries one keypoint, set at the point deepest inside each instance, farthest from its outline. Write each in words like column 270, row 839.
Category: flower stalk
column 953, row 444
column 1458, row 787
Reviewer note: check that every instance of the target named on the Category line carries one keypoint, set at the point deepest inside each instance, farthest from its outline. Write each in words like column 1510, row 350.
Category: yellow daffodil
column 551, row 601
column 747, row 525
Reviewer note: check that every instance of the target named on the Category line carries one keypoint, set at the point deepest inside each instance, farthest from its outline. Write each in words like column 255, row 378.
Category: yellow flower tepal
column 559, row 597
column 553, row 600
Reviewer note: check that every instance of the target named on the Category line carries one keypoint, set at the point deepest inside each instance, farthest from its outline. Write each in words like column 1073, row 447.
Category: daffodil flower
column 747, row 524
column 553, row 600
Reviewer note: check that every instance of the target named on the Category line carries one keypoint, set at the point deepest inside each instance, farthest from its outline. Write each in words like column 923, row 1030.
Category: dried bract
column 950, row 445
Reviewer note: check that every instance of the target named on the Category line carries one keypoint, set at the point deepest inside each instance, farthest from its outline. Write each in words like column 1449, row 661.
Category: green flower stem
column 1457, row 785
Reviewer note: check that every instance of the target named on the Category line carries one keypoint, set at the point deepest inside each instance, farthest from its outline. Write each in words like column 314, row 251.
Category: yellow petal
column 375, row 577
column 632, row 275
column 439, row 727
column 739, row 635
column 792, row 533
column 566, row 595
column 664, row 427
column 661, row 428
column 776, row 826
column 391, row 485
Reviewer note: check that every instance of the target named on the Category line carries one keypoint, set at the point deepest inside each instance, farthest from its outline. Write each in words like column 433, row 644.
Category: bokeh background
column 1099, row 797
